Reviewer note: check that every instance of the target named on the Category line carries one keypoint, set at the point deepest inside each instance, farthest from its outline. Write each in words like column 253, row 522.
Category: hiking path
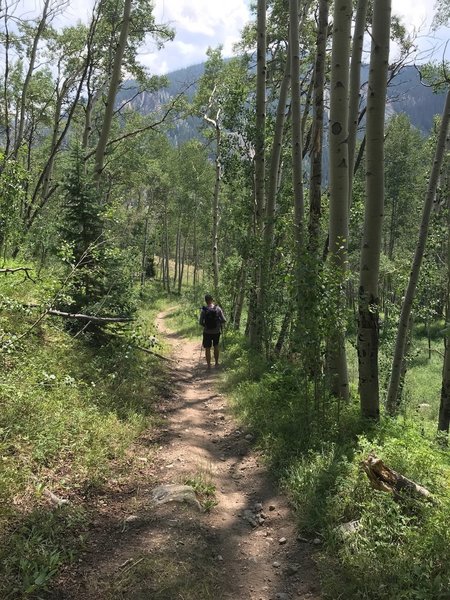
column 245, row 547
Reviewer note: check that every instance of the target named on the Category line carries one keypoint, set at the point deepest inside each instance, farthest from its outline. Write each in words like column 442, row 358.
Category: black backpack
column 210, row 317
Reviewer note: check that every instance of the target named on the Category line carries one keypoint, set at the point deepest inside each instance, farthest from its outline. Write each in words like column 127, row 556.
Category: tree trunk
column 182, row 262
column 444, row 409
column 315, row 188
column 368, row 324
column 274, row 170
column 144, row 247
column 255, row 317
column 113, row 87
column 355, row 83
column 7, row 124
column 297, row 165
column 177, row 253
column 23, row 100
column 215, row 218
column 391, row 402
column 338, row 148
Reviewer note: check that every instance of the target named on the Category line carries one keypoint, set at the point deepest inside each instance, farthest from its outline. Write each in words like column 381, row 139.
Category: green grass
column 204, row 487
column 70, row 410
column 315, row 448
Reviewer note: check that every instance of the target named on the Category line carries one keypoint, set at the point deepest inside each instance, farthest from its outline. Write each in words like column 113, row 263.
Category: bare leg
column 208, row 356
column 216, row 354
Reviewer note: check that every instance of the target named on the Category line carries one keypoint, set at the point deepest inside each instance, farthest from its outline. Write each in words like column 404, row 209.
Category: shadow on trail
column 175, row 552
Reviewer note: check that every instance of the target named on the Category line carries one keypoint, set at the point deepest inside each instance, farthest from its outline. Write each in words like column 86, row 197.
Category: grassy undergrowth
column 400, row 549
column 70, row 410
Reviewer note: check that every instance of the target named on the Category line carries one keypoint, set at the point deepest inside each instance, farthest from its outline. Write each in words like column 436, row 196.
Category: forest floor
column 240, row 544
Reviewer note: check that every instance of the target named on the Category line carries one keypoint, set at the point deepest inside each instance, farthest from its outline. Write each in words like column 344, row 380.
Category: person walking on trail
column 211, row 319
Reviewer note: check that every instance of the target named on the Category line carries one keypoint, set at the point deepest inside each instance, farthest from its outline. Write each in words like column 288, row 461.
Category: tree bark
column 33, row 54
column 112, row 91
column 297, row 164
column 444, row 408
column 368, row 322
column 385, row 479
column 392, row 402
column 355, row 84
column 338, row 149
column 255, row 315
column 315, row 187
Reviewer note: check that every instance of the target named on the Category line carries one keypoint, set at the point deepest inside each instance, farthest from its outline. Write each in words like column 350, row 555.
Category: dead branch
column 25, row 270
column 154, row 353
column 91, row 318
column 147, row 350
column 385, row 479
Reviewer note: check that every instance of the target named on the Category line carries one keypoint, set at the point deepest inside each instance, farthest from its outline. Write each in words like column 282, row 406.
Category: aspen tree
column 112, row 91
column 297, row 149
column 338, row 150
column 368, row 322
column 255, row 312
column 392, row 401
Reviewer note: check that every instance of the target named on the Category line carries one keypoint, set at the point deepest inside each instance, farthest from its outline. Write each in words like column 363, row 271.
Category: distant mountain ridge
column 406, row 94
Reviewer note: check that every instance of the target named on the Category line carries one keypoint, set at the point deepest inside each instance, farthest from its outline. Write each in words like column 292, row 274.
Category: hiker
column 211, row 319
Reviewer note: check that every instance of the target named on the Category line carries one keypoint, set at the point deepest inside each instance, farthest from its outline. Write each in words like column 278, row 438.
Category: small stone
column 276, row 564
column 317, row 541
column 258, row 507
column 302, row 539
column 249, row 437
column 131, row 518
column 219, row 557
column 282, row 540
column 272, row 507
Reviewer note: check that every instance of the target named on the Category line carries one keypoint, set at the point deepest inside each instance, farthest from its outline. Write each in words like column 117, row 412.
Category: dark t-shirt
column 220, row 319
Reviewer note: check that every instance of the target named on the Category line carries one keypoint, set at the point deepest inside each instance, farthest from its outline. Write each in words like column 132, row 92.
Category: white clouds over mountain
column 198, row 25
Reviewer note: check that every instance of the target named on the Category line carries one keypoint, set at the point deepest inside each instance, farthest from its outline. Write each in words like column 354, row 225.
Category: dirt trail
column 245, row 548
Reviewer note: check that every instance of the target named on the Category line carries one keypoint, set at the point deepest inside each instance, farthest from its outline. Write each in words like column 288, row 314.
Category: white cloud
column 198, row 25
column 203, row 23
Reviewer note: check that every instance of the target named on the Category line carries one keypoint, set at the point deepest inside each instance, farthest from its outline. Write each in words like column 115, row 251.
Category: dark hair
column 208, row 298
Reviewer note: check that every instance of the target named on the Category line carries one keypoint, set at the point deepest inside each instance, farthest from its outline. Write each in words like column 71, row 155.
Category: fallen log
column 385, row 479
column 90, row 318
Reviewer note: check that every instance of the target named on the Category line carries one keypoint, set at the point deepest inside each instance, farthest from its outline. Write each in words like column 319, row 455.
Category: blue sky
column 203, row 23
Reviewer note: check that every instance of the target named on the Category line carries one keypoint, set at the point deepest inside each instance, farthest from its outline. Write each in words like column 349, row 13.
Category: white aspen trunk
column 181, row 266
column 255, row 312
column 273, row 186
column 444, row 408
column 144, row 246
column 368, row 314
column 274, row 169
column 338, row 148
column 112, row 91
column 392, row 401
column 177, row 253
column 7, row 123
column 315, row 188
column 240, row 296
column 297, row 151
column 355, row 84
column 26, row 84
column 215, row 218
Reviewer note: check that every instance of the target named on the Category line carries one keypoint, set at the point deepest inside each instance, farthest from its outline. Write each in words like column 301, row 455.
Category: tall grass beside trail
column 71, row 409
column 397, row 549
